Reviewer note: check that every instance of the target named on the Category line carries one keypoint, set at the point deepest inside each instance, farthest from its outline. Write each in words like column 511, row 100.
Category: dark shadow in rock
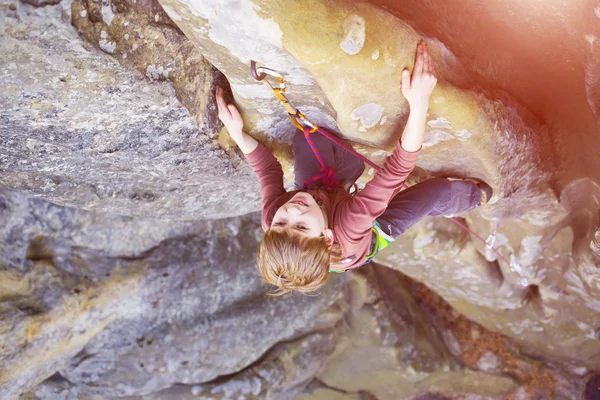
column 431, row 396
column 532, row 296
column 409, row 319
column 4, row 206
column 143, row 195
column 594, row 243
column 39, row 3
column 39, row 250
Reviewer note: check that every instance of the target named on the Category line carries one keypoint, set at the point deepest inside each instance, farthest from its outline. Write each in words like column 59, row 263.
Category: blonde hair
column 293, row 262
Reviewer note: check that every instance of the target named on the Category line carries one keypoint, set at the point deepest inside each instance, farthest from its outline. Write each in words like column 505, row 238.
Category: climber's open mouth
column 299, row 202
column 301, row 199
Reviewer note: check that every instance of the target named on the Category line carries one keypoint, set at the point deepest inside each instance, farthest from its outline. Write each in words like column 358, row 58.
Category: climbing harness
column 327, row 174
column 382, row 240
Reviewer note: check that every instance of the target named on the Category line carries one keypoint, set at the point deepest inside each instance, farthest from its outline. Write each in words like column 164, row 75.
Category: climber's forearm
column 414, row 131
column 245, row 142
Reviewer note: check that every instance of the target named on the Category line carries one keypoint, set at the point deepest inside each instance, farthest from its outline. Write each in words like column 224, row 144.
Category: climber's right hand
column 232, row 119
column 229, row 115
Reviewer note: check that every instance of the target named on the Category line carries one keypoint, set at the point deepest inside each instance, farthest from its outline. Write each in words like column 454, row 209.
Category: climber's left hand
column 418, row 88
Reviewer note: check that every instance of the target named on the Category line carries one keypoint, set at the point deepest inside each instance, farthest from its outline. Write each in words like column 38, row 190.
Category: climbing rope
column 327, row 174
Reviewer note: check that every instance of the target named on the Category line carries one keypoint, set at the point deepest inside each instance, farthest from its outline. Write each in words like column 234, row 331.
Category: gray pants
column 433, row 197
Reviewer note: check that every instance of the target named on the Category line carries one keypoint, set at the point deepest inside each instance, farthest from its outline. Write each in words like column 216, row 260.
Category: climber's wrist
column 245, row 142
column 236, row 134
column 419, row 107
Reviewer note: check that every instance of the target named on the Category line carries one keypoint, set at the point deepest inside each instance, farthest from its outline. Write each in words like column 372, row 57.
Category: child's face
column 302, row 214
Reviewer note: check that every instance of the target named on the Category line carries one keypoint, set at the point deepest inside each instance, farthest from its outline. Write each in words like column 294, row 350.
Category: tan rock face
column 544, row 54
column 500, row 118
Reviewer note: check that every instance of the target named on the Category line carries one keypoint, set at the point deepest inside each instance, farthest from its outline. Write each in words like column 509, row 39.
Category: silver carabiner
column 489, row 242
column 260, row 73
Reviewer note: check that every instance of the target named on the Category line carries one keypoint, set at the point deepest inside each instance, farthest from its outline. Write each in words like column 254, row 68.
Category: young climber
column 317, row 229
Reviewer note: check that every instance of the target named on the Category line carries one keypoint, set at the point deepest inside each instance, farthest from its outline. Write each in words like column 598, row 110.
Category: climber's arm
column 231, row 118
column 245, row 142
column 417, row 90
column 414, row 131
column 262, row 162
column 372, row 201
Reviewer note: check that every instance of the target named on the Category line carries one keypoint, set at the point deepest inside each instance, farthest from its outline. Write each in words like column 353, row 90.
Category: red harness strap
column 327, row 173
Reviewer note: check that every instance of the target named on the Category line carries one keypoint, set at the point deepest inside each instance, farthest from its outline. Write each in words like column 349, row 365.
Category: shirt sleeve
column 358, row 215
column 270, row 176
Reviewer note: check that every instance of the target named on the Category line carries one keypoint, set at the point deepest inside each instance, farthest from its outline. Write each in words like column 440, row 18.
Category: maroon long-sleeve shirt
column 351, row 218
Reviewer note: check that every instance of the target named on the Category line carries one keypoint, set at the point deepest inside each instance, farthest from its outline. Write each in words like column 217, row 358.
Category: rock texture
column 127, row 234
column 140, row 35
column 120, row 315
column 79, row 130
column 123, row 307
column 544, row 55
column 422, row 346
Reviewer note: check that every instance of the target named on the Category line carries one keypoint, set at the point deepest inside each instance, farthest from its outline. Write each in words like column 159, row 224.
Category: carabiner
column 260, row 73
column 299, row 117
column 489, row 242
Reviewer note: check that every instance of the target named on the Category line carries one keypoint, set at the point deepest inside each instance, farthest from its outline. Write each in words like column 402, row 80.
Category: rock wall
column 123, row 306
column 140, row 35
column 157, row 315
column 81, row 131
column 425, row 346
column 127, row 233
column 544, row 55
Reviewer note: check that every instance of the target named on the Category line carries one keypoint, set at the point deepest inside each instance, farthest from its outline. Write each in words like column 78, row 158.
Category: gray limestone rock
column 79, row 130
column 38, row 3
column 124, row 306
